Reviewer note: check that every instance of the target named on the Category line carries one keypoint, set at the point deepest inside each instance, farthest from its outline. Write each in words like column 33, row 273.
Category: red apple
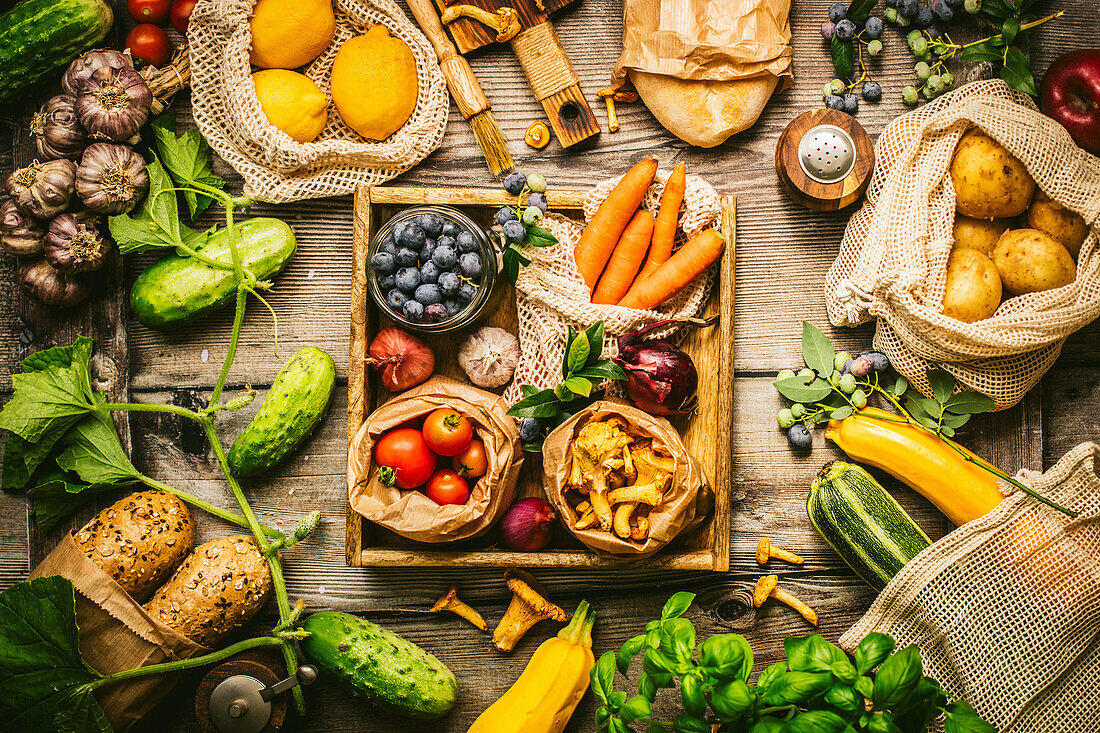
column 1070, row 93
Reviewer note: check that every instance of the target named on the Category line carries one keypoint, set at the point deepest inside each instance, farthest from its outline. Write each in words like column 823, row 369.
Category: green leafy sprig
column 582, row 370
column 817, row 689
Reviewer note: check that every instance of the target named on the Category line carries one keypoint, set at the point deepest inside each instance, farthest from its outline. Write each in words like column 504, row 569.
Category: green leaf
column 615, row 725
column 541, row 397
column 803, row 389
column 770, row 674
column 539, row 237
column 812, row 653
column 595, row 334
column 688, row 723
column 942, row 383
column 767, row 725
column 730, row 700
column 635, row 708
column 647, row 687
column 843, row 55
column 865, row 686
column 56, row 495
column 900, row 386
column 954, row 421
column 817, row 350
column 692, row 696
column 81, row 714
column 897, row 677
column 655, row 662
column 860, row 9
column 40, row 663
column 969, row 403
column 794, row 687
column 187, row 158
column 960, row 717
column 844, row 698
column 579, row 386
column 92, row 451
column 678, row 640
column 603, row 677
column 1009, row 28
column 1017, row 72
column 726, row 657
column 947, row 431
column 155, row 223
column 601, row 370
column 677, row 605
column 816, row 721
column 22, row 459
column 872, row 651
column 882, row 724
column 922, row 706
column 579, row 350
column 632, row 648
column 841, row 412
column 980, row 52
column 52, row 395
column 998, row 9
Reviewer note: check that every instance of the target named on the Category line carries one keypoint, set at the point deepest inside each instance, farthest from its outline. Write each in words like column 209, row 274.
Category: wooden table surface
column 783, row 253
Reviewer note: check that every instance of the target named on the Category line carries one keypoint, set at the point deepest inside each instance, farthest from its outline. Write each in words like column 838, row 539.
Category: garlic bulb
column 111, row 178
column 38, row 280
column 56, row 131
column 20, row 235
column 75, row 246
column 42, row 190
column 489, row 356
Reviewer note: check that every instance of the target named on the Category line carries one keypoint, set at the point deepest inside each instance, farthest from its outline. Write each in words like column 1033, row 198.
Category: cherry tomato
column 148, row 11
column 447, row 431
column 403, row 458
column 181, row 14
column 472, row 462
column 150, row 43
column 447, row 487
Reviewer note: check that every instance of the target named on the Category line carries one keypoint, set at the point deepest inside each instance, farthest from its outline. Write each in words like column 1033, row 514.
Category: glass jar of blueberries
column 431, row 268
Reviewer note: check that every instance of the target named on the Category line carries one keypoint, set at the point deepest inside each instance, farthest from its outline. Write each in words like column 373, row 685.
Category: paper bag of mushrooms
column 622, row 480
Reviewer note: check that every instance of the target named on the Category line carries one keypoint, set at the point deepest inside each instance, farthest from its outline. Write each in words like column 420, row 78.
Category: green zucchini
column 863, row 523
column 391, row 672
column 179, row 289
column 295, row 404
column 38, row 37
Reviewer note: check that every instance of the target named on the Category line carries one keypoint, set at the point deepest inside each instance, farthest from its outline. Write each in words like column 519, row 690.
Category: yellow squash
column 546, row 694
column 924, row 462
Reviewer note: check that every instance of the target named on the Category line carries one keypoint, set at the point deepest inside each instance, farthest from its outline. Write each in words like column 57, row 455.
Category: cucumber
column 394, row 674
column 180, row 289
column 38, row 37
column 863, row 523
column 296, row 402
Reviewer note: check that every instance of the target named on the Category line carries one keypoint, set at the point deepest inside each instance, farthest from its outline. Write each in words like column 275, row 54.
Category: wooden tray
column 707, row 434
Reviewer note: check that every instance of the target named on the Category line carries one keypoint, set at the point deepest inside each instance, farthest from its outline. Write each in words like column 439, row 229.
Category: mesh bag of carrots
column 647, row 253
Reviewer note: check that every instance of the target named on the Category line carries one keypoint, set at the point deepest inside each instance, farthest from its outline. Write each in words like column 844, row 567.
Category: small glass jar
column 491, row 263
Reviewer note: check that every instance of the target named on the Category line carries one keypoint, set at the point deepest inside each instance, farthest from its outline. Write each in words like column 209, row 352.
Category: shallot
column 489, row 356
column 401, row 359
column 660, row 377
column 528, row 525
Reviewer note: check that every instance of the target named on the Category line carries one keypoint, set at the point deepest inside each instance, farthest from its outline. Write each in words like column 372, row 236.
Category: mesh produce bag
column 893, row 260
column 275, row 167
column 551, row 294
column 1006, row 609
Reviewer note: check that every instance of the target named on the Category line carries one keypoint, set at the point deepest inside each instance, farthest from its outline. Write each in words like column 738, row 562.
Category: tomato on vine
column 403, row 459
column 447, row 432
column 149, row 43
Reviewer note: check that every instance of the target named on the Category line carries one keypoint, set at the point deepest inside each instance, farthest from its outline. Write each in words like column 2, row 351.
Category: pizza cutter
column 242, row 703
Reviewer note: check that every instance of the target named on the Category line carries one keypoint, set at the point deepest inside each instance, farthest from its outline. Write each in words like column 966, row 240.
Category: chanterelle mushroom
column 652, row 474
column 529, row 606
column 597, row 451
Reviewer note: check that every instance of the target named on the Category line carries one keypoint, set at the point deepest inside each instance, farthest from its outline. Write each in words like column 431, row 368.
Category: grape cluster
column 518, row 225
column 863, row 34
column 429, row 268
column 927, row 42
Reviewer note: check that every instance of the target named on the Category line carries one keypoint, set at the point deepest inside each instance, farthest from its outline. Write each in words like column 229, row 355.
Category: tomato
column 150, row 43
column 447, row 487
column 181, row 14
column 472, row 462
column 148, row 11
column 447, row 431
column 403, row 458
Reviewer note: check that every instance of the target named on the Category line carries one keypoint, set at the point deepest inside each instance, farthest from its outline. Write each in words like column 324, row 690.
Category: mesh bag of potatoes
column 976, row 248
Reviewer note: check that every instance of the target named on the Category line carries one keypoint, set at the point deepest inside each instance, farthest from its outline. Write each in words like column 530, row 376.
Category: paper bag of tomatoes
column 622, row 480
column 437, row 463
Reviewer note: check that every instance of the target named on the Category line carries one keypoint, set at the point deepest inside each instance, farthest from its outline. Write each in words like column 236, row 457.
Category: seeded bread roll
column 139, row 540
column 220, row 586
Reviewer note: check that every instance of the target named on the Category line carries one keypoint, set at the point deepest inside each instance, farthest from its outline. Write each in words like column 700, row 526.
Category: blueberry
column 529, row 430
column 398, row 232
column 467, row 292
column 407, row 278
column 920, row 48
column 948, row 78
column 447, row 241
column 851, row 104
column 847, row 383
column 845, row 30
column 892, row 3
column 429, row 272
column 932, row 32
column 413, row 310
column 383, row 263
column 428, row 294
column 879, row 361
column 847, row 367
column 862, row 366
column 838, row 12
column 828, row 28
column 406, row 257
column 396, row 299
column 539, row 200
column 388, row 245
column 435, row 312
column 956, row 4
column 837, row 86
column 412, row 236
column 445, row 257
column 386, row 283
column 514, row 183
column 798, row 410
column 425, row 253
column 466, row 242
column 799, row 437
column 452, row 307
column 505, row 214
column 874, row 48
column 872, row 91
column 859, row 399
column 536, row 183
column 449, row 283
column 431, row 223
column 514, row 231
column 942, row 10
column 924, row 18
column 935, row 83
column 532, row 215
column 450, row 229
column 469, row 264
column 874, row 27
column 908, row 8
column 834, row 101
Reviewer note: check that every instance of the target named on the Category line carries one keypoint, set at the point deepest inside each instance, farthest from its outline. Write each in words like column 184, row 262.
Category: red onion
column 660, row 378
column 528, row 525
column 401, row 359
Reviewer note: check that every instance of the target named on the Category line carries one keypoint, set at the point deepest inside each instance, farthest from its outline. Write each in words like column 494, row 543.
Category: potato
column 139, row 540
column 989, row 182
column 1030, row 261
column 978, row 234
column 220, row 586
column 1063, row 225
column 973, row 289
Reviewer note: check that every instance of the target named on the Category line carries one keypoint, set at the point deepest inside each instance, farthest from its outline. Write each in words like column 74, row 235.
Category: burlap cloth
column 893, row 259
column 1006, row 609
column 275, row 167
column 551, row 294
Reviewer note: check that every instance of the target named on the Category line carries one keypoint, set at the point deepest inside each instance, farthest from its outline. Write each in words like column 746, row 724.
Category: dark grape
column 469, row 264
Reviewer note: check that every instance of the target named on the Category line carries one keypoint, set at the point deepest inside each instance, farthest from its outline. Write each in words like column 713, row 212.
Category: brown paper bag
column 116, row 634
column 688, row 498
column 410, row 513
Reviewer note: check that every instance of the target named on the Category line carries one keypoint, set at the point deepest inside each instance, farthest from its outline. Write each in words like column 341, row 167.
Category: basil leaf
column 969, row 403
column 1016, row 72
column 960, row 717
column 843, row 55
column 647, row 687
column 579, row 351
column 803, row 389
column 688, row 723
column 615, row 725
column 187, row 158
column 769, row 675
column 691, row 695
column 792, row 687
column 730, row 700
column 635, row 708
column 678, row 640
column 816, row 721
column 812, row 653
column 726, row 656
column 595, row 334
column 871, row 651
column 865, row 686
column 882, row 724
column 897, row 678
column 767, row 725
column 677, row 605
column 942, row 383
column 844, row 698
column 632, row 648
column 603, row 677
column 817, row 350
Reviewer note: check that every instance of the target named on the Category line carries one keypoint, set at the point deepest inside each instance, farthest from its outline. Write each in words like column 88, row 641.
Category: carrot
column 625, row 260
column 680, row 269
column 664, row 229
column 602, row 233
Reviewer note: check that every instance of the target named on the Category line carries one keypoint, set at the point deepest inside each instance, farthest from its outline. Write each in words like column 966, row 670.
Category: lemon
column 287, row 34
column 374, row 83
column 292, row 103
